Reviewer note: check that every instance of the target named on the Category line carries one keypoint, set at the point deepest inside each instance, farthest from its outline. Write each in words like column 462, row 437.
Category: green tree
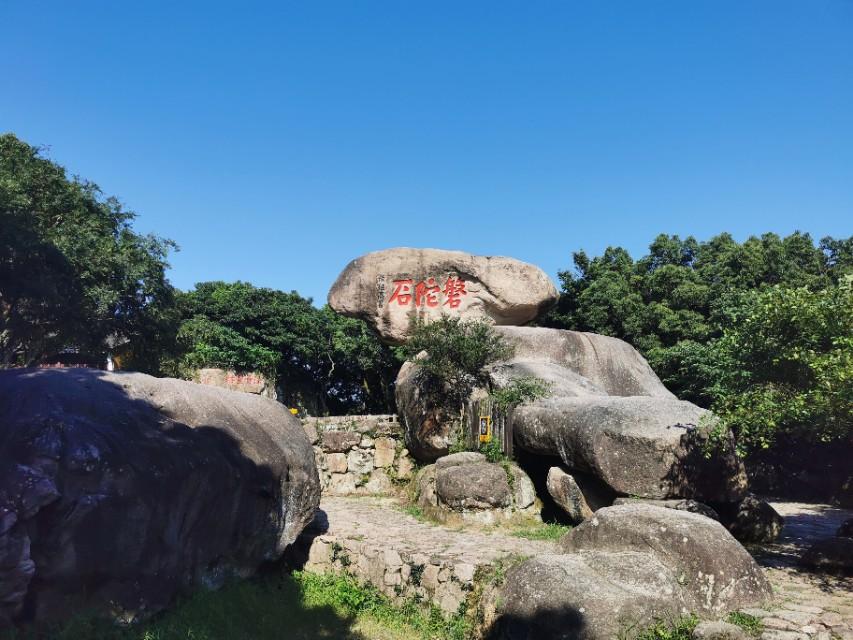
column 73, row 273
column 323, row 362
column 672, row 303
column 786, row 367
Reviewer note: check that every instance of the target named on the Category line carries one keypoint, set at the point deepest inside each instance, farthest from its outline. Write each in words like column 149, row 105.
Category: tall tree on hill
column 73, row 273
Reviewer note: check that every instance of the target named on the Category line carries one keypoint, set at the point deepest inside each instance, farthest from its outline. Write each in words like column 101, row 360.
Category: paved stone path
column 808, row 605
column 377, row 541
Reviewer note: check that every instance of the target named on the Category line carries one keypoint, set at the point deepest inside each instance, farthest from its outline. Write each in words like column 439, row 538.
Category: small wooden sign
column 485, row 428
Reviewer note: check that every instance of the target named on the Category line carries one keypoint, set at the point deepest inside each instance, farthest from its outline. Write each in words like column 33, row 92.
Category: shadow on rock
column 556, row 623
column 120, row 491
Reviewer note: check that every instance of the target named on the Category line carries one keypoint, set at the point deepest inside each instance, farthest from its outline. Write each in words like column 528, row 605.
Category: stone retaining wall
column 376, row 541
column 399, row 575
column 359, row 455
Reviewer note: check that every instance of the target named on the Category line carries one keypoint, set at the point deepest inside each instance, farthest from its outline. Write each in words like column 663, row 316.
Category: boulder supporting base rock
column 568, row 495
column 464, row 487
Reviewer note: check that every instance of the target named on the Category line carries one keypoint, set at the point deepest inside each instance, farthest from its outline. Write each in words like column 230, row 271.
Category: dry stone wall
column 359, row 455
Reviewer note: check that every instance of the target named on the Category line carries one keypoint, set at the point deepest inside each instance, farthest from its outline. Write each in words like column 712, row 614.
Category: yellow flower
column 294, row 410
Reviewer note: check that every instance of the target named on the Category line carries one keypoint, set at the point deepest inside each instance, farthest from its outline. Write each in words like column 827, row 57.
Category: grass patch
column 300, row 606
column 543, row 531
column 752, row 625
column 416, row 512
column 674, row 629
column 346, row 595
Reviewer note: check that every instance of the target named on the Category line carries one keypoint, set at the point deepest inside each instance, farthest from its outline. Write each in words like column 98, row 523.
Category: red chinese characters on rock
column 426, row 292
column 242, row 378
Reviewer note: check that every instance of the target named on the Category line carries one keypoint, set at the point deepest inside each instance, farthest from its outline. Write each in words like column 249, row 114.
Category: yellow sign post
column 485, row 428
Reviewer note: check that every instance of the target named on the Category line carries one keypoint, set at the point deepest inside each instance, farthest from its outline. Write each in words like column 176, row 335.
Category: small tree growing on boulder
column 458, row 354
column 453, row 356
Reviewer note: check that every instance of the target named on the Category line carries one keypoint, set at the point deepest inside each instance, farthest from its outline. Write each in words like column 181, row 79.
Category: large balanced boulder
column 622, row 569
column 465, row 487
column 119, row 491
column 389, row 289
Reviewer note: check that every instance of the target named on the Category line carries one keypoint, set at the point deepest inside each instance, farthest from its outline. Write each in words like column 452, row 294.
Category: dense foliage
column 73, row 273
column 759, row 331
column 785, row 367
column 322, row 361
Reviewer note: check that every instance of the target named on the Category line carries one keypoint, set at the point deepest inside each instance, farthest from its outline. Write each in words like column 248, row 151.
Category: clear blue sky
column 276, row 141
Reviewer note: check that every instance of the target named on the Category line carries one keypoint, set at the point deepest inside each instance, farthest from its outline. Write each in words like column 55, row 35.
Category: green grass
column 682, row 628
column 752, row 625
column 300, row 606
column 543, row 531
column 675, row 629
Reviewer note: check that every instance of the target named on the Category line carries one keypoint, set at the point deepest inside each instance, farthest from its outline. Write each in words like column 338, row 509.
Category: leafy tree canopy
column 73, row 273
column 678, row 297
column 785, row 367
column 759, row 331
column 458, row 352
column 322, row 361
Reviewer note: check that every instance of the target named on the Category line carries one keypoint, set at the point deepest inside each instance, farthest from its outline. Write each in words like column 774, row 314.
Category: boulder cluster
column 654, row 483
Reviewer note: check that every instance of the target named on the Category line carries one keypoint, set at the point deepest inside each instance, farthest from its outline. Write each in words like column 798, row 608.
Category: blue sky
column 276, row 141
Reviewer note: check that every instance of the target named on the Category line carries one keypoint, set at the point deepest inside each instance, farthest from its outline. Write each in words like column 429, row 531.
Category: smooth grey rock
column 465, row 485
column 677, row 503
column 612, row 366
column 718, row 630
column 502, row 290
column 456, row 459
column 643, row 446
column 524, row 493
column 568, row 495
column 120, row 491
column 478, row 485
column 588, row 596
column 713, row 568
column 623, row 568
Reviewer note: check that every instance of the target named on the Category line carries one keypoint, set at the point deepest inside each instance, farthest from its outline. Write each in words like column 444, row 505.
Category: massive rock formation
column 622, row 569
column 120, row 491
column 388, row 289
column 607, row 414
